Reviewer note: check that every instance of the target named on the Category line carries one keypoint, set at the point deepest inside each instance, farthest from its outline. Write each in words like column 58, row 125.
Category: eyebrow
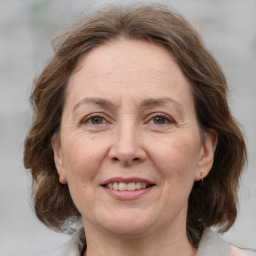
column 159, row 101
column 97, row 101
column 150, row 102
column 154, row 102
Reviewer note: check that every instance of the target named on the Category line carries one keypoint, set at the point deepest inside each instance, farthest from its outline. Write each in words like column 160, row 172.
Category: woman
column 133, row 135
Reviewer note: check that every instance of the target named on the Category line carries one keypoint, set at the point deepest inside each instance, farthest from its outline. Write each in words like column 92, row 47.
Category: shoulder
column 73, row 247
column 54, row 252
column 236, row 252
column 213, row 244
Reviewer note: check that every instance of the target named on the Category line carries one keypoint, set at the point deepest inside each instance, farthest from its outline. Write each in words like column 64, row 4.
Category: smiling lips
column 127, row 189
column 131, row 186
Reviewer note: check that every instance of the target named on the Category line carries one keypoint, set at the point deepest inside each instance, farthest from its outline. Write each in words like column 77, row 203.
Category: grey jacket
column 211, row 244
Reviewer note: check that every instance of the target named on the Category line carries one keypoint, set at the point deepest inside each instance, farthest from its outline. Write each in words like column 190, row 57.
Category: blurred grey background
column 228, row 28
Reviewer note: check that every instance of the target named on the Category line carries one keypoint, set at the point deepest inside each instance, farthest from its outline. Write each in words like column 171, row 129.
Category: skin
column 134, row 135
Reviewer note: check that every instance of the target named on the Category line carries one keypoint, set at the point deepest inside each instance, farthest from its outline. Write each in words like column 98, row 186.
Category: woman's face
column 129, row 146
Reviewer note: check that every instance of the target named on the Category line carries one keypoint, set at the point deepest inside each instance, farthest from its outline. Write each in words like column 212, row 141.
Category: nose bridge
column 127, row 142
column 126, row 136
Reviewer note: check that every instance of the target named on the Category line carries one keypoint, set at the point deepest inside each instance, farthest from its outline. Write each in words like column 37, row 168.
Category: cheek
column 177, row 158
column 82, row 158
column 82, row 163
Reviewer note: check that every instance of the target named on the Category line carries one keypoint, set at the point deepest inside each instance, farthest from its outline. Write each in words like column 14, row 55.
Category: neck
column 164, row 242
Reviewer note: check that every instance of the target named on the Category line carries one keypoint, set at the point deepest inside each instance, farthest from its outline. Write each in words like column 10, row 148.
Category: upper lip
column 127, row 180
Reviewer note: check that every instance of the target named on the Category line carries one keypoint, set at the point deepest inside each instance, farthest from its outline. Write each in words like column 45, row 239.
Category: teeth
column 115, row 186
column 122, row 186
column 138, row 185
column 131, row 186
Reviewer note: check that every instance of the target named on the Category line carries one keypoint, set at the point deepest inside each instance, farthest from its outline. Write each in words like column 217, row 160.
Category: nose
column 127, row 147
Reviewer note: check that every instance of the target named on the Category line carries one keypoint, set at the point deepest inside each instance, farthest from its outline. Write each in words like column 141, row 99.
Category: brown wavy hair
column 213, row 202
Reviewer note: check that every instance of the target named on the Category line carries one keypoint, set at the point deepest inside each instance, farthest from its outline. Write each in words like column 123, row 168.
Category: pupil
column 97, row 120
column 159, row 120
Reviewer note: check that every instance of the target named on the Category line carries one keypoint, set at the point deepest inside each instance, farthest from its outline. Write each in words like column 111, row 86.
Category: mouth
column 127, row 186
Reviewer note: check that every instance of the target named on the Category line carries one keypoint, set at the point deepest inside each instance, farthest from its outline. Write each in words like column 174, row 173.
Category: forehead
column 128, row 66
column 125, row 55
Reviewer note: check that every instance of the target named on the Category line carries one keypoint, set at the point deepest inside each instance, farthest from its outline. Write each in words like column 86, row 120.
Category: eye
column 94, row 120
column 161, row 119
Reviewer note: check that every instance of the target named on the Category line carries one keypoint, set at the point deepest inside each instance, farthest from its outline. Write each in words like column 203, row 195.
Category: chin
column 128, row 229
column 126, row 222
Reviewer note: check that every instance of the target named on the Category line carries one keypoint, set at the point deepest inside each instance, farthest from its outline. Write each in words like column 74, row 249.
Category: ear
column 206, row 155
column 58, row 158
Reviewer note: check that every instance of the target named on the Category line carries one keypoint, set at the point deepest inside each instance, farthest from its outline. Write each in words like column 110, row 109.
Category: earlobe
column 63, row 179
column 206, row 156
column 58, row 158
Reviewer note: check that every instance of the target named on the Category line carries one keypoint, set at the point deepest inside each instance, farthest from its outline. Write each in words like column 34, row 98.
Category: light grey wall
column 228, row 28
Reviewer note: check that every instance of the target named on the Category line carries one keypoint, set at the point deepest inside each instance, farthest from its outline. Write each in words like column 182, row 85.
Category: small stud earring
column 202, row 177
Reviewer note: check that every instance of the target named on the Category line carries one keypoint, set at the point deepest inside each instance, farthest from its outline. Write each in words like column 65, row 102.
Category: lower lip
column 128, row 195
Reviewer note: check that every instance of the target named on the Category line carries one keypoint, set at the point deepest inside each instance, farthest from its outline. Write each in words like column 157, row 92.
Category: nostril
column 115, row 159
column 126, row 162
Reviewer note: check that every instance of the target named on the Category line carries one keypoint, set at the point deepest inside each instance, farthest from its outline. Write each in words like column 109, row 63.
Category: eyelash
column 89, row 119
